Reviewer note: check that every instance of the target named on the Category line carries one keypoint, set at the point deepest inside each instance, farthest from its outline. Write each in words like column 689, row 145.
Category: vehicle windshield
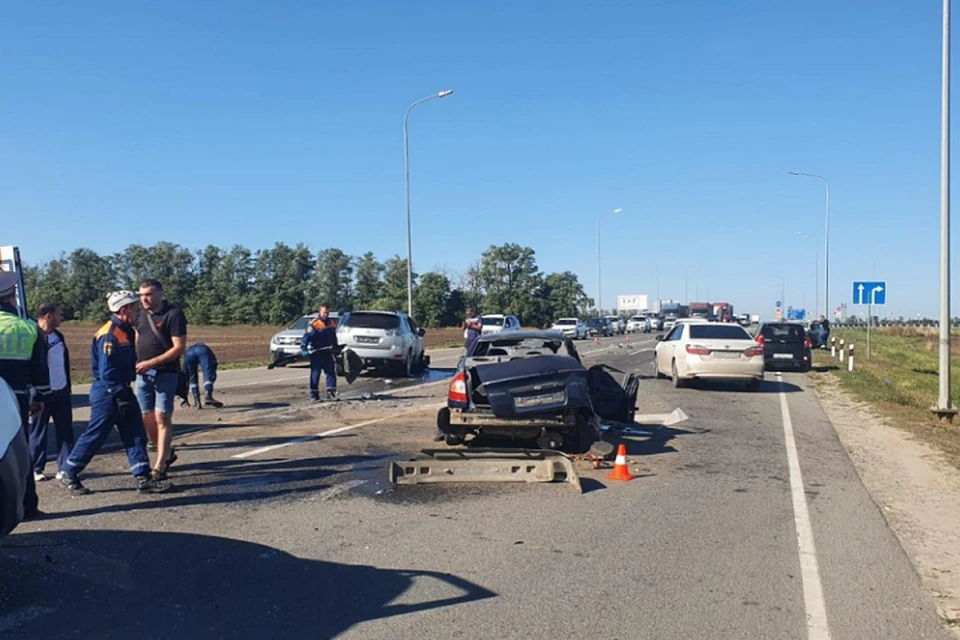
column 718, row 332
column 782, row 331
column 362, row 320
column 562, row 321
column 491, row 321
column 593, row 322
column 519, row 347
column 301, row 324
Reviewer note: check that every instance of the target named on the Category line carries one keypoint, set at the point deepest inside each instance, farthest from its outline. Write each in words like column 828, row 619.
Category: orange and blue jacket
column 113, row 359
column 321, row 334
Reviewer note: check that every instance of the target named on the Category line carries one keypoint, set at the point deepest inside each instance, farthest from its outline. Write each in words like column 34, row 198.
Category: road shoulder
column 917, row 492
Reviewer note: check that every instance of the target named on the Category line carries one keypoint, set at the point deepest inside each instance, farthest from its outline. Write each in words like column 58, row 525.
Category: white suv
column 574, row 328
column 495, row 322
column 639, row 323
column 383, row 340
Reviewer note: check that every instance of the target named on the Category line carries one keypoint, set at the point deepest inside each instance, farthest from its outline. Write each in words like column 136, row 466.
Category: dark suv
column 786, row 345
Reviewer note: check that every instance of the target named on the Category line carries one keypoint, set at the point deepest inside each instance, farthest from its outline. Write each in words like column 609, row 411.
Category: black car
column 786, row 345
column 531, row 385
column 599, row 327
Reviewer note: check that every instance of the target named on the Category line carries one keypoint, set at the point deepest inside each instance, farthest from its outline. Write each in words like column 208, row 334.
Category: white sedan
column 709, row 350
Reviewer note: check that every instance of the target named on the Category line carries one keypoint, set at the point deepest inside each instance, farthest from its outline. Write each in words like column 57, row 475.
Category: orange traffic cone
column 628, row 339
column 596, row 340
column 620, row 469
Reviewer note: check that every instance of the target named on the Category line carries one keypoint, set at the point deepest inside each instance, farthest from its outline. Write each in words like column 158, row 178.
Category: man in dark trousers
column 113, row 362
column 826, row 332
column 23, row 364
column 320, row 343
column 200, row 356
column 56, row 404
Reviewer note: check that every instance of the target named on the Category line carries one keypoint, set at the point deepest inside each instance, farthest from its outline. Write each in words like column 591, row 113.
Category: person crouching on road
column 113, row 362
column 202, row 357
column 57, row 404
column 320, row 343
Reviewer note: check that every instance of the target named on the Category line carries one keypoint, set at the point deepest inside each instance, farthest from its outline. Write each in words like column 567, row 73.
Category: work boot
column 71, row 484
column 332, row 394
column 196, row 401
column 211, row 401
column 153, row 483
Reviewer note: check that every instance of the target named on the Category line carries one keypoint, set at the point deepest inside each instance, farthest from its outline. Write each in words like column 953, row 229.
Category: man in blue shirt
column 320, row 343
column 113, row 362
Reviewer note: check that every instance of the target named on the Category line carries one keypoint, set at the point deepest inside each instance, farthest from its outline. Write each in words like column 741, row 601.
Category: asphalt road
column 747, row 520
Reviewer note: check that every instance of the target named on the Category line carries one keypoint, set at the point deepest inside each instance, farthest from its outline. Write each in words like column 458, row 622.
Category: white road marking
column 318, row 436
column 816, row 608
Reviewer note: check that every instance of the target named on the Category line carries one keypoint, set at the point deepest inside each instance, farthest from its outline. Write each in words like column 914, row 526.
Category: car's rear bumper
column 744, row 369
column 478, row 419
column 392, row 352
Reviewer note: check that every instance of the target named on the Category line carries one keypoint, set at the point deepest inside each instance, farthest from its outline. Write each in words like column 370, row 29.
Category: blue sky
column 252, row 123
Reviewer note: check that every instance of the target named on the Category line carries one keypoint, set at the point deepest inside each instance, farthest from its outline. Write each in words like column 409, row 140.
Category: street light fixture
column 816, row 272
column 406, row 182
column 615, row 212
column 826, row 240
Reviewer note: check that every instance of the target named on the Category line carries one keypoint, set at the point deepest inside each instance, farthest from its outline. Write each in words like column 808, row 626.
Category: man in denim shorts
column 161, row 340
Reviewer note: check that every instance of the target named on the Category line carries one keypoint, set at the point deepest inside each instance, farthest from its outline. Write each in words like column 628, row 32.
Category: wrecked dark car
column 532, row 386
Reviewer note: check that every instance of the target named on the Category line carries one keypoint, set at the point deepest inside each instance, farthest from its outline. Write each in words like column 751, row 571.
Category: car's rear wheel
column 677, row 381
column 550, row 440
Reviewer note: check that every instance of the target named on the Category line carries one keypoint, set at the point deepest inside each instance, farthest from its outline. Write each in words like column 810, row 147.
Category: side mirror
column 660, row 337
column 421, row 332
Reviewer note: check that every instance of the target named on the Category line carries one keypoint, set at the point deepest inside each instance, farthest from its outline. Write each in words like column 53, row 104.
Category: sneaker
column 38, row 476
column 332, row 394
column 72, row 484
column 153, row 483
column 59, row 474
column 213, row 402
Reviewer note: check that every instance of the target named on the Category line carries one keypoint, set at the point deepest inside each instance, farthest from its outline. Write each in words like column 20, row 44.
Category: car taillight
column 458, row 389
column 392, row 333
column 806, row 343
column 697, row 350
column 753, row 352
column 759, row 339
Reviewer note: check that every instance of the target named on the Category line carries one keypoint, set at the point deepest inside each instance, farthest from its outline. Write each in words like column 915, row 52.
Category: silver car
column 573, row 328
column 496, row 322
column 287, row 342
column 382, row 340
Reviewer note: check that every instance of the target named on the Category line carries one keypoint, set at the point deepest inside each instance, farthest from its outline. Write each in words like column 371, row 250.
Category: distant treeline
column 274, row 286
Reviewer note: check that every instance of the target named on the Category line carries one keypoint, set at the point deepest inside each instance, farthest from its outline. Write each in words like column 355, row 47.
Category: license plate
column 727, row 354
column 533, row 401
column 367, row 340
column 783, row 356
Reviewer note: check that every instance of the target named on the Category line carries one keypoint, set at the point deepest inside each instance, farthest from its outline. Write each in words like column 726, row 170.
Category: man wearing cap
column 23, row 365
column 113, row 361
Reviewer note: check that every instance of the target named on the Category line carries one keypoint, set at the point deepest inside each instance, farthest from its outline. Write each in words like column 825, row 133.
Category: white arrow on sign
column 860, row 297
column 873, row 294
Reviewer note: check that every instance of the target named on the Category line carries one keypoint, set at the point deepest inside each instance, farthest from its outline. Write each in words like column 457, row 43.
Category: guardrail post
column 840, row 353
column 850, row 359
column 833, row 347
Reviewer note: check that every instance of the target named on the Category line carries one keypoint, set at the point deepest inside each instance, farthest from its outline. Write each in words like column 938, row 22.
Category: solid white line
column 816, row 608
column 349, row 427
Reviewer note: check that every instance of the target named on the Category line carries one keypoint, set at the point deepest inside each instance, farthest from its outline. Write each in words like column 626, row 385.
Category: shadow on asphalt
column 767, row 386
column 658, row 442
column 92, row 582
column 224, row 481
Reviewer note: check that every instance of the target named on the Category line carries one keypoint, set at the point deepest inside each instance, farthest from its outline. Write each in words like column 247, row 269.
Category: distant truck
column 701, row 310
column 755, row 318
column 723, row 311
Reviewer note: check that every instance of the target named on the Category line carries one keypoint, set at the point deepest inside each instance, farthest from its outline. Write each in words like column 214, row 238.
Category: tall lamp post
column 615, row 212
column 826, row 240
column 945, row 409
column 816, row 273
column 406, row 183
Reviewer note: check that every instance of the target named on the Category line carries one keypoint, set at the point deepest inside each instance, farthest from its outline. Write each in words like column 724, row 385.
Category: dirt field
column 235, row 346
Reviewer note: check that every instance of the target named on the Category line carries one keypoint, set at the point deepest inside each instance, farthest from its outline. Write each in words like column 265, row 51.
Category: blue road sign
column 874, row 293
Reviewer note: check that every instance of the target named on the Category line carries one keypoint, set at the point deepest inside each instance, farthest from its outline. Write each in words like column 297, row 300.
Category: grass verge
column 900, row 380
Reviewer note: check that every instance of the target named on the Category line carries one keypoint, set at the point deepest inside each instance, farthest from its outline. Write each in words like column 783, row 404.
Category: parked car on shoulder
column 531, row 386
column 494, row 322
column 786, row 345
column 708, row 350
column 573, row 328
column 287, row 342
column 382, row 340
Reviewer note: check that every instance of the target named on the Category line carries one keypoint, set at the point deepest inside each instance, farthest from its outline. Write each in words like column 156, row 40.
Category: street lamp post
column 406, row 183
column 616, row 211
column 945, row 409
column 816, row 273
column 826, row 241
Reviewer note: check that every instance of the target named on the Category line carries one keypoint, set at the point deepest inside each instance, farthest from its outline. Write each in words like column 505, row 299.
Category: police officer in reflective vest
column 23, row 364
column 320, row 343
column 113, row 361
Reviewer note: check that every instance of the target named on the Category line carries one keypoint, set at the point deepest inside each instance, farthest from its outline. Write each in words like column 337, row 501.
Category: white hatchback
column 573, row 328
column 709, row 350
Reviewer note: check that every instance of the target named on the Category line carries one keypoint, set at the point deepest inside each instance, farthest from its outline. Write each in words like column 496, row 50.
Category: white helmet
column 119, row 299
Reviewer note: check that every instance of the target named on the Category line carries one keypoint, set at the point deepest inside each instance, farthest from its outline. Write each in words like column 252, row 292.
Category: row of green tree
column 273, row 286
